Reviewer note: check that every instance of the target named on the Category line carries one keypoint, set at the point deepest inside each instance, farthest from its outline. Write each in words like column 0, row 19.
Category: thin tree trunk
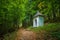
column 54, row 13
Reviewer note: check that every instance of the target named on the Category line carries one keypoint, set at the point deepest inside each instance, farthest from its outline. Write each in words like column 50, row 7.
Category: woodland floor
column 24, row 34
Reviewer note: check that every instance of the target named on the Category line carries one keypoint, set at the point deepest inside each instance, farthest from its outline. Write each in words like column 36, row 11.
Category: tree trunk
column 53, row 12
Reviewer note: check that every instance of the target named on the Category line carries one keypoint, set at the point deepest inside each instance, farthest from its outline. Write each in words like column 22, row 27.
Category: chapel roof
column 38, row 14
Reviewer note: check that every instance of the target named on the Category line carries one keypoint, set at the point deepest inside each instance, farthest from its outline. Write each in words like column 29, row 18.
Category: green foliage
column 12, row 12
column 50, row 8
column 10, row 36
column 15, row 12
column 50, row 31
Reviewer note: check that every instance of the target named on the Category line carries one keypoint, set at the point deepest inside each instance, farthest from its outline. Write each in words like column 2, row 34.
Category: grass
column 47, row 32
column 49, row 27
column 50, row 31
column 10, row 36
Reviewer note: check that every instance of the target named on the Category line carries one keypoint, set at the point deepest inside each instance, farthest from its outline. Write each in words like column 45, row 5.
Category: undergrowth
column 50, row 31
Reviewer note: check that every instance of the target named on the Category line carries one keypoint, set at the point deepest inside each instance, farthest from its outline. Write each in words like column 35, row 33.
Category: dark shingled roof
column 38, row 14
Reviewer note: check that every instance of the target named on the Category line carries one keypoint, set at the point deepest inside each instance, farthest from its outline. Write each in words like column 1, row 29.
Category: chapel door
column 36, row 22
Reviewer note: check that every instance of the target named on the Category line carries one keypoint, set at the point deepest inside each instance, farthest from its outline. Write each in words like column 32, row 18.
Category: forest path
column 24, row 34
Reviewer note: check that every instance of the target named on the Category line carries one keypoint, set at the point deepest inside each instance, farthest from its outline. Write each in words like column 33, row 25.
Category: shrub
column 48, row 32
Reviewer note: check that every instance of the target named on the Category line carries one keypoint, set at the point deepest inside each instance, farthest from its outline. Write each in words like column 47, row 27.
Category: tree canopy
column 15, row 12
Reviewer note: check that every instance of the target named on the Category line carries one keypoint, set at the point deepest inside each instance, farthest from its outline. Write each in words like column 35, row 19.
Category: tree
column 49, row 8
column 12, row 13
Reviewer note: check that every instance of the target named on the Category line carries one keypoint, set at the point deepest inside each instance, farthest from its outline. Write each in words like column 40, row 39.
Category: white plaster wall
column 40, row 21
column 37, row 22
column 33, row 22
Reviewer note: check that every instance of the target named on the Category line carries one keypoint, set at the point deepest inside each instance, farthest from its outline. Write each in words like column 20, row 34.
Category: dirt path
column 24, row 34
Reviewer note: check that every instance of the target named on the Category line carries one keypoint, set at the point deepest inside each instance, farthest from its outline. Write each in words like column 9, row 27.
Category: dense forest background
column 13, row 13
